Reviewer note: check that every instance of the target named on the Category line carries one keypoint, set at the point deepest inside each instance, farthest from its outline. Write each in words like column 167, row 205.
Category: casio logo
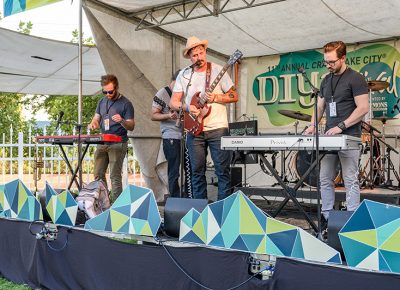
column 237, row 142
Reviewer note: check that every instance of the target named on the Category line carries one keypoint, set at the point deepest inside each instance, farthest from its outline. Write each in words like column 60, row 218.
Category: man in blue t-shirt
column 114, row 115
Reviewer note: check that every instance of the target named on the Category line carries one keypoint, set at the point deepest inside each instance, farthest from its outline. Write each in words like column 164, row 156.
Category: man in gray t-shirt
column 345, row 102
column 171, row 134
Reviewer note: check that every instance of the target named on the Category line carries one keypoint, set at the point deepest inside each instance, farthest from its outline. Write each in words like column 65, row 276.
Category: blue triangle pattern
column 392, row 260
column 227, row 205
column 285, row 240
column 382, row 213
column 383, row 266
column 252, row 241
column 217, row 241
column 217, row 209
column 355, row 251
column 239, row 244
column 297, row 250
column 360, row 220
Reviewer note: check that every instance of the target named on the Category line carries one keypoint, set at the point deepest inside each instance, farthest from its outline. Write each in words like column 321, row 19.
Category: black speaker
column 175, row 209
column 236, row 177
column 337, row 219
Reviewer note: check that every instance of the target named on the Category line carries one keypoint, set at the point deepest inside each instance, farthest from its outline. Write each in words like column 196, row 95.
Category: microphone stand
column 315, row 93
column 183, row 139
column 79, row 168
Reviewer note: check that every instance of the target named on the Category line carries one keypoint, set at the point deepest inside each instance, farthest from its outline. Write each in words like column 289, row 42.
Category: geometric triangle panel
column 371, row 237
column 236, row 223
column 134, row 212
column 17, row 201
column 62, row 207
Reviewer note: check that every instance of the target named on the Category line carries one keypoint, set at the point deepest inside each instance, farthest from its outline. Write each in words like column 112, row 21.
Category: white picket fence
column 17, row 156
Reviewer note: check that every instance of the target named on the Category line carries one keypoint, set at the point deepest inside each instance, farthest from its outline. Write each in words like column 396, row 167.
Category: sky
column 55, row 21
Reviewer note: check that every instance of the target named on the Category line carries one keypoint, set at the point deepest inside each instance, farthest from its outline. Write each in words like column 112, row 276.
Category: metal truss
column 191, row 9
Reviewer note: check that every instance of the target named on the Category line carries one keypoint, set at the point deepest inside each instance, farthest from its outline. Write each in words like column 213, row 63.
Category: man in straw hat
column 192, row 80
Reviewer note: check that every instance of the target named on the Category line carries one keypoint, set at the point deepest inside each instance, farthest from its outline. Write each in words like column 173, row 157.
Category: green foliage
column 25, row 27
column 11, row 113
column 69, row 105
column 7, row 285
column 86, row 41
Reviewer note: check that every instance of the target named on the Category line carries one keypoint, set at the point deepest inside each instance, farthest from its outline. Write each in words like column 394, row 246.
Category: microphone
column 197, row 63
column 60, row 116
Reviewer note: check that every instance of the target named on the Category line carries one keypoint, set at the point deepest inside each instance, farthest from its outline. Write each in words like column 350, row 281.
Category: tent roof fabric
column 36, row 65
column 279, row 27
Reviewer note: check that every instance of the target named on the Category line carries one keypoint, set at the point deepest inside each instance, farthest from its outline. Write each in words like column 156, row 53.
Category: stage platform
column 305, row 194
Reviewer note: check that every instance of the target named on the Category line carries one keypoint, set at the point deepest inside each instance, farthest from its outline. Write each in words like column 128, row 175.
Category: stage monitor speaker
column 176, row 208
column 337, row 219
column 236, row 177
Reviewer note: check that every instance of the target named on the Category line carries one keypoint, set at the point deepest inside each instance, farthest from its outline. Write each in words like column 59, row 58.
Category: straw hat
column 192, row 42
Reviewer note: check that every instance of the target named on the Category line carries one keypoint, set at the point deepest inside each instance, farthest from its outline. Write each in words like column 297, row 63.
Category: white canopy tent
column 34, row 65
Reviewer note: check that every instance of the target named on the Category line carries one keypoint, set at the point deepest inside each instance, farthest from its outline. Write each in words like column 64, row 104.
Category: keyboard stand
column 71, row 170
column 291, row 192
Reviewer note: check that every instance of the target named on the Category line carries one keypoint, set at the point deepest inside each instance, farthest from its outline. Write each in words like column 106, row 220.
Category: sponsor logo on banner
column 283, row 87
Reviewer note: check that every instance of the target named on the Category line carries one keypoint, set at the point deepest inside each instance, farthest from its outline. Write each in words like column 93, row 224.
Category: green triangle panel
column 260, row 216
column 360, row 220
column 252, row 241
column 385, row 231
column 392, row 244
column 24, row 212
column 367, row 237
column 354, row 251
column 392, row 259
column 284, row 241
column 217, row 241
column 382, row 213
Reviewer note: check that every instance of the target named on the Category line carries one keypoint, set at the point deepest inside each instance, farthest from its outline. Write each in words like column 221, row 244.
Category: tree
column 25, row 27
column 86, row 41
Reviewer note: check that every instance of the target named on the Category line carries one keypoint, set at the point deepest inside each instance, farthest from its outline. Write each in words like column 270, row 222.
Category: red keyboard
column 87, row 139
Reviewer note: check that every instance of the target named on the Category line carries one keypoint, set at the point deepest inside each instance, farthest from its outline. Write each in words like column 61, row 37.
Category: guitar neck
column 211, row 88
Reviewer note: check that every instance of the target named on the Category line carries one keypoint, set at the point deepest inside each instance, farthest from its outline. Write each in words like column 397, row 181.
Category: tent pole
column 80, row 96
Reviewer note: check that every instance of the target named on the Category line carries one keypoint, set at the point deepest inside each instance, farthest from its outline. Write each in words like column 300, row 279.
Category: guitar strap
column 208, row 76
column 168, row 91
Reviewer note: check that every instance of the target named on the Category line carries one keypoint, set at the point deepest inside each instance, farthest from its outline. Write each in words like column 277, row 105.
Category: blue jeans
column 198, row 152
column 172, row 152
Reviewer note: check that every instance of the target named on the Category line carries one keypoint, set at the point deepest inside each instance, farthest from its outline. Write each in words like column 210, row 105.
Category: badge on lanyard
column 106, row 123
column 332, row 109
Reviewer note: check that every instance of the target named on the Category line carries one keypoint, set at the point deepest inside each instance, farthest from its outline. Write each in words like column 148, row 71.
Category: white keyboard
column 289, row 142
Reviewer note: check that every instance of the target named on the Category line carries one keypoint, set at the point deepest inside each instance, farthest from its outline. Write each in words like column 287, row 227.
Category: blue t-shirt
column 107, row 109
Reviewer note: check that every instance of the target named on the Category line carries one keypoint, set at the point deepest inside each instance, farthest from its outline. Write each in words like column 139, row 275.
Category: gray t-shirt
column 167, row 127
column 106, row 109
column 343, row 88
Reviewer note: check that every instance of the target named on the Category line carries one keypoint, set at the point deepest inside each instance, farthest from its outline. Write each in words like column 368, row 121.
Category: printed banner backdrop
column 274, row 82
column 15, row 6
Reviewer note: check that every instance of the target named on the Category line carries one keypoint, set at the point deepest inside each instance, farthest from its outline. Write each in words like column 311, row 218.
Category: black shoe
column 324, row 228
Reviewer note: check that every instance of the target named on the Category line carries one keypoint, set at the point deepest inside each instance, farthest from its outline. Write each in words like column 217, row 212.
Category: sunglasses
column 108, row 92
column 330, row 62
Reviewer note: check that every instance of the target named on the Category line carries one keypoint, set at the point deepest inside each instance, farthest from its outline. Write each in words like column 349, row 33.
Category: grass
column 7, row 285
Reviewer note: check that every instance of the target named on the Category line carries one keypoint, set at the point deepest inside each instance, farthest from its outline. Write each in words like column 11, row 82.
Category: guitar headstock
column 235, row 57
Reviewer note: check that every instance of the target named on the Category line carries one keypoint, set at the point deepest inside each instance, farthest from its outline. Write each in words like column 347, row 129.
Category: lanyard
column 108, row 109
column 333, row 89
